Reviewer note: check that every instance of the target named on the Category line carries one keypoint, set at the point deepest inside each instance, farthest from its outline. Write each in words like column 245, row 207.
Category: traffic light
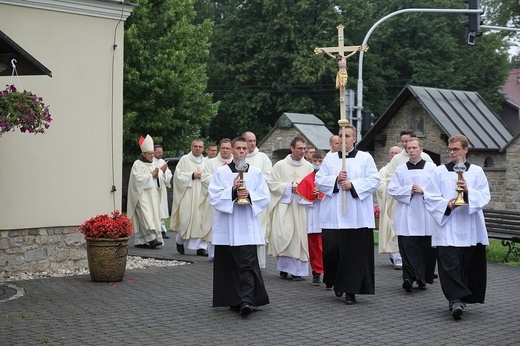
column 473, row 23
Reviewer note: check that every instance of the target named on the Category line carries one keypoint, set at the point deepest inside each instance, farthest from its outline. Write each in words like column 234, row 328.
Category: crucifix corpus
column 341, row 83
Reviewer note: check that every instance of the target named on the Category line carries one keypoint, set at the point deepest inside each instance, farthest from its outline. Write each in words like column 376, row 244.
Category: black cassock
column 348, row 260
column 237, row 277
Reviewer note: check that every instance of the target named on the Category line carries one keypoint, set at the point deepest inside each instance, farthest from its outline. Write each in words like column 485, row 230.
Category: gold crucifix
column 341, row 83
column 342, row 75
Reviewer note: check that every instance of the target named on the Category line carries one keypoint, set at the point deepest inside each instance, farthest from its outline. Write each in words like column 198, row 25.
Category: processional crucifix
column 341, row 83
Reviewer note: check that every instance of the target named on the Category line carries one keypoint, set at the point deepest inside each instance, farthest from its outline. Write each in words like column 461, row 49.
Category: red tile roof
column 511, row 87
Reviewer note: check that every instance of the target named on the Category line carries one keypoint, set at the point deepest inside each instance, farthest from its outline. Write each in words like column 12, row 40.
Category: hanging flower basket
column 23, row 110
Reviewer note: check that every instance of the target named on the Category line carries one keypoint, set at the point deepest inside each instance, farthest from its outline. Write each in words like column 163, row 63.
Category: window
column 416, row 120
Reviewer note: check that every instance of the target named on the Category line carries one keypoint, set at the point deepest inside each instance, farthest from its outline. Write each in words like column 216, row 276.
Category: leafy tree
column 262, row 62
column 165, row 75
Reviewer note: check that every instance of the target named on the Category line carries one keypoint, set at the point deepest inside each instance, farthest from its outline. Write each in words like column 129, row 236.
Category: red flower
column 377, row 211
column 103, row 226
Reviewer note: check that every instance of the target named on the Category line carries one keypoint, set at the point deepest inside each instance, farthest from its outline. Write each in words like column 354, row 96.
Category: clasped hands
column 155, row 173
column 416, row 189
column 343, row 181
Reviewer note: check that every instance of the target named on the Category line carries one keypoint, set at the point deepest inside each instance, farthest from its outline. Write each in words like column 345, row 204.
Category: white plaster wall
column 64, row 176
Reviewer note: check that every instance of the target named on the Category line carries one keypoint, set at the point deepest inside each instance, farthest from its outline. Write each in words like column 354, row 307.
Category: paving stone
column 172, row 306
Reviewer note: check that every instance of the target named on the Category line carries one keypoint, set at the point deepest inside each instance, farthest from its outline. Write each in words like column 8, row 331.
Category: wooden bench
column 504, row 225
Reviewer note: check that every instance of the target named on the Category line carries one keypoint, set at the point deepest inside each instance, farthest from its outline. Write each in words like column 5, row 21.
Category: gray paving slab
column 172, row 306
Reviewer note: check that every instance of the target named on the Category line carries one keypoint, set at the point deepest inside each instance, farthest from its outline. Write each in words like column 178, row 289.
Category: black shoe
column 339, row 294
column 180, row 249
column 435, row 276
column 422, row 287
column 316, row 280
column 328, row 287
column 296, row 278
column 165, row 236
column 245, row 309
column 457, row 310
column 142, row 246
column 154, row 243
column 235, row 308
column 202, row 252
column 407, row 285
column 350, row 299
column 283, row 275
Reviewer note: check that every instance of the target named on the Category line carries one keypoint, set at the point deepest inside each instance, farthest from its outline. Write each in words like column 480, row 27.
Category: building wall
column 51, row 183
column 433, row 142
column 278, row 142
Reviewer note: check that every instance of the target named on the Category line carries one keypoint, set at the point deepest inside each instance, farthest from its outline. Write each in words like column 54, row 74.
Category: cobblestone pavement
column 172, row 306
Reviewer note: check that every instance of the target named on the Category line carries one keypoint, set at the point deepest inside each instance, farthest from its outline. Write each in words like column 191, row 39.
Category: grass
column 495, row 252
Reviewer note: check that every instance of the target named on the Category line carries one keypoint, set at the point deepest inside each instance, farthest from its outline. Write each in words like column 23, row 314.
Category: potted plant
column 23, row 110
column 107, row 237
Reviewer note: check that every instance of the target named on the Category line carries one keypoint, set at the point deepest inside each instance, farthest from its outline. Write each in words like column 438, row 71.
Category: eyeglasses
column 453, row 150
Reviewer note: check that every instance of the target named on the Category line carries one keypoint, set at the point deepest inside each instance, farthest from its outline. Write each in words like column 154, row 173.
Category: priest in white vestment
column 387, row 237
column 288, row 213
column 165, row 184
column 459, row 232
column 348, row 238
column 187, row 206
column 224, row 157
column 412, row 221
column 261, row 161
column 143, row 206
column 237, row 279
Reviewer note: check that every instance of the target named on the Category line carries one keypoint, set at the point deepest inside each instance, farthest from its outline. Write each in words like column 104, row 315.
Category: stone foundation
column 41, row 249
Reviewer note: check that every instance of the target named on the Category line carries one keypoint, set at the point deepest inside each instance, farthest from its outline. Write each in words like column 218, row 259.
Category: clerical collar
column 233, row 167
column 143, row 159
column 350, row 154
column 418, row 165
column 451, row 164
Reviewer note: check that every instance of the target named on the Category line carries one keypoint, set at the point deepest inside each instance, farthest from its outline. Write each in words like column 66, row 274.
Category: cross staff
column 341, row 82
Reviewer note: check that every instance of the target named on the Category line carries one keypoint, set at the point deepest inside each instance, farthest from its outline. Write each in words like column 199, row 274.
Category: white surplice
column 411, row 218
column 465, row 225
column 235, row 224
column 362, row 173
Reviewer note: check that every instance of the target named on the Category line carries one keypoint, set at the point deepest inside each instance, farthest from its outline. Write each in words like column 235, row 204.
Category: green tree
column 165, row 75
column 262, row 62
